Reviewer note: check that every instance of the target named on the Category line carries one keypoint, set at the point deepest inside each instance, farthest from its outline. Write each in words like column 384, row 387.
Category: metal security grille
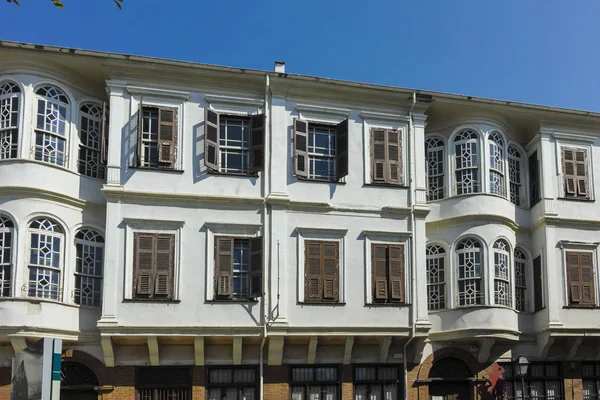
column 163, row 383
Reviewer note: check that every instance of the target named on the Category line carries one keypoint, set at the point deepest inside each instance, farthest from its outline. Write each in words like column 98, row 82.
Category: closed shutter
column 167, row 136
column 211, row 139
column 313, row 288
column 138, row 158
column 329, row 251
column 379, row 267
column 104, row 138
column 394, row 150
column 224, row 267
column 574, row 277
column 537, row 283
column 568, row 161
column 581, row 171
column 588, row 297
column 396, row 269
column 300, row 148
column 257, row 143
column 341, row 149
column 143, row 264
column 378, row 165
column 165, row 252
column 256, row 266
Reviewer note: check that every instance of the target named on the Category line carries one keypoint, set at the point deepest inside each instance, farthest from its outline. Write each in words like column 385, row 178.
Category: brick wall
column 276, row 386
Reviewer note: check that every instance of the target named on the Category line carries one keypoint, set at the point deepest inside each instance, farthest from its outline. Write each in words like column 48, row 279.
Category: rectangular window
column 154, row 260
column 157, row 137
column 234, row 141
column 51, row 132
column 591, row 381
column 537, row 284
column 543, row 381
column 575, row 173
column 387, row 267
column 377, row 383
column 436, row 161
column 321, row 271
column 534, row 179
column 580, row 278
column 159, row 383
column 386, row 160
column 238, row 267
column 9, row 122
column 320, row 150
column 232, row 384
column 520, row 280
column 309, row 383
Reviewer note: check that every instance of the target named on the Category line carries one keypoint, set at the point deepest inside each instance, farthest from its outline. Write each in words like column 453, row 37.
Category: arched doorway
column 450, row 379
column 78, row 382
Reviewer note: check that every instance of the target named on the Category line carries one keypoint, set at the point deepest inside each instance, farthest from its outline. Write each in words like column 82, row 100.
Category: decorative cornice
column 147, row 330
column 378, row 116
column 332, row 231
column 441, row 223
column 233, row 228
column 245, row 104
column 110, row 191
column 387, row 234
column 145, row 222
column 307, row 110
column 48, row 195
column 144, row 91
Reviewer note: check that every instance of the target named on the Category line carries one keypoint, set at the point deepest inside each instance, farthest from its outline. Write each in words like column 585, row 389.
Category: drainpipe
column 413, row 246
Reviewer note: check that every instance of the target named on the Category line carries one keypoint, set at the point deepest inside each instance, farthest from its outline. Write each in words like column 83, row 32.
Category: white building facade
column 193, row 231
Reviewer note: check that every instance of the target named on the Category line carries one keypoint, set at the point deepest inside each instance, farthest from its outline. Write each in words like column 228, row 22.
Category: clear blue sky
column 536, row 51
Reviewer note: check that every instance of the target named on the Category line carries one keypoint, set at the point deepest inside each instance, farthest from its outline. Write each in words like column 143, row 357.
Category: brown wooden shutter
column 224, row 266
column 378, row 165
column 588, row 296
column 104, row 138
column 537, row 283
column 140, row 149
column 300, row 148
column 379, row 273
column 211, row 139
column 165, row 257
column 257, row 143
column 167, row 136
column 396, row 269
column 256, row 266
column 341, row 149
column 573, row 277
column 143, row 264
column 330, row 263
column 581, row 172
column 568, row 161
column 313, row 288
column 394, row 159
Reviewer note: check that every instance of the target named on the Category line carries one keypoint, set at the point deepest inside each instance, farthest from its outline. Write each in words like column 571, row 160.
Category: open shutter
column 138, row 158
column 313, row 288
column 167, row 136
column 568, row 159
column 378, row 168
column 256, row 265
column 587, row 279
column 331, row 286
column 394, row 162
column 379, row 267
column 573, row 277
column 581, row 170
column 300, row 148
column 211, row 139
column 396, row 263
column 104, row 137
column 163, row 281
column 257, row 143
column 143, row 264
column 341, row 149
column 537, row 283
column 224, row 267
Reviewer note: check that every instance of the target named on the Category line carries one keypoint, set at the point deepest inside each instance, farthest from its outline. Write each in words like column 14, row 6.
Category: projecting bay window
column 466, row 157
column 502, row 273
column 93, row 132
column 238, row 268
column 234, row 144
column 470, row 272
column 51, row 129
column 157, row 137
column 310, row 383
column 6, row 235
column 153, row 265
column 9, row 120
column 497, row 161
column 436, row 279
column 436, row 162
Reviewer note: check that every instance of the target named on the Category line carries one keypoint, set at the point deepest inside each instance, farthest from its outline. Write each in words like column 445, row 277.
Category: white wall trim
column 164, row 93
column 307, row 111
column 394, row 124
column 234, row 104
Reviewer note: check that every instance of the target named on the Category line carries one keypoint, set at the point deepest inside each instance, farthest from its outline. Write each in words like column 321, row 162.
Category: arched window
column 470, row 272
column 501, row 273
column 90, row 162
column 520, row 280
column 434, row 149
column 436, row 280
column 51, row 125
column 88, row 268
column 9, row 120
column 497, row 180
column 514, row 175
column 6, row 235
column 45, row 258
column 466, row 155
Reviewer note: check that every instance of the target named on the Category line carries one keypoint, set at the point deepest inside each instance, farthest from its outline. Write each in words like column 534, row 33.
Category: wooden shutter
column 586, row 266
column 165, row 255
column 378, row 168
column 537, row 283
column 257, row 142
column 224, row 266
column 534, row 186
column 574, row 277
column 396, row 270
column 138, row 158
column 256, row 266
column 300, row 148
column 104, row 137
column 211, row 139
column 568, row 164
column 394, row 159
column 379, row 271
column 143, row 264
column 330, row 262
column 341, row 149
column 581, row 172
column 167, row 136
column 313, row 287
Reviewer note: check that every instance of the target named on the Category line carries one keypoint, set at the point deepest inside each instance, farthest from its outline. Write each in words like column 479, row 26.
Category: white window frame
column 11, row 264
column 442, row 283
column 507, row 281
column 100, row 167
column 561, row 181
column 523, row 160
column 444, row 161
column 580, row 247
column 477, row 166
column 331, row 157
column 483, row 274
column 55, row 136
column 244, row 150
column 234, row 230
column 494, row 147
column 140, row 225
column 85, row 242
column 5, row 132
column 528, row 277
column 60, row 270
column 321, row 234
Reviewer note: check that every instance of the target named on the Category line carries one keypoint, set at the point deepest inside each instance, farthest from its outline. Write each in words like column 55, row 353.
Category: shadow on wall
column 129, row 147
column 198, row 168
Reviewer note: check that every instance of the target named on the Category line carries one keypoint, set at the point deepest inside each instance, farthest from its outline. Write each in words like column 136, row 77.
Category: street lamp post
column 521, row 370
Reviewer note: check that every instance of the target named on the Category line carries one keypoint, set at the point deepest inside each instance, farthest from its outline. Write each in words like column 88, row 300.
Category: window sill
column 321, row 303
column 157, row 169
column 231, row 301
column 162, row 301
column 319, row 181
column 573, row 307
column 577, row 199
column 390, row 304
column 231, row 174
column 386, row 185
